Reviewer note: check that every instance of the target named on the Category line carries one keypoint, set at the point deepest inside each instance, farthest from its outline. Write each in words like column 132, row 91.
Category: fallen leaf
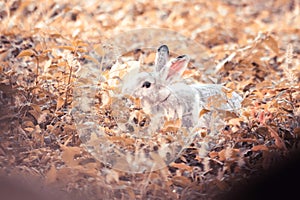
column 181, row 181
column 259, row 148
column 51, row 175
column 27, row 52
column 60, row 103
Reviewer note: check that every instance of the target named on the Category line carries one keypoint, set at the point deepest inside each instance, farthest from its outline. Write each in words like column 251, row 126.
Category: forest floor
column 253, row 45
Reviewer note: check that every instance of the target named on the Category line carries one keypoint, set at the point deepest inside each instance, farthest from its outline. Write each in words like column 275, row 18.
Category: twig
column 37, row 69
column 278, row 141
column 223, row 62
column 68, row 85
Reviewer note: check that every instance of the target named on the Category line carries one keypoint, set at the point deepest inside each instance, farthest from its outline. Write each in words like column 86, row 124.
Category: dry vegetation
column 42, row 45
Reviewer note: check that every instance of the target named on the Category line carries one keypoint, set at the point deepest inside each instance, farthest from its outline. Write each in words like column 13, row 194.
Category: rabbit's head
column 154, row 88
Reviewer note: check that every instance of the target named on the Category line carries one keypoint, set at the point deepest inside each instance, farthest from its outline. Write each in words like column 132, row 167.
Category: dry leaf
column 99, row 49
column 60, row 103
column 202, row 112
column 261, row 66
column 36, row 112
column 70, row 48
column 259, row 148
column 68, row 154
column 51, row 175
column 272, row 43
column 181, row 181
column 181, row 166
column 27, row 52
column 278, row 141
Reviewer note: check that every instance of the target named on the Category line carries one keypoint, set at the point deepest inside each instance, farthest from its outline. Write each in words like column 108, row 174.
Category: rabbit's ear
column 162, row 57
column 175, row 68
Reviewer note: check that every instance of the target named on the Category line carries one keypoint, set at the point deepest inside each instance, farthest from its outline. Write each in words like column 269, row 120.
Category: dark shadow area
column 13, row 188
column 280, row 182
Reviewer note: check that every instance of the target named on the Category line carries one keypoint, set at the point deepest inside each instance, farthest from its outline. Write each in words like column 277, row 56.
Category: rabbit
column 164, row 91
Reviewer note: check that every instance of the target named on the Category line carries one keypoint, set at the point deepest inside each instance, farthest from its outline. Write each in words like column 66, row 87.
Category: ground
column 252, row 46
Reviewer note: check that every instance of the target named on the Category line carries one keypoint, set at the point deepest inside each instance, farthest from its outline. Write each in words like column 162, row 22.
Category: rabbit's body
column 214, row 96
column 164, row 92
column 183, row 102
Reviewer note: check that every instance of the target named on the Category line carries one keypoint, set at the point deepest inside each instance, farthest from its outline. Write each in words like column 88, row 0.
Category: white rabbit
column 165, row 91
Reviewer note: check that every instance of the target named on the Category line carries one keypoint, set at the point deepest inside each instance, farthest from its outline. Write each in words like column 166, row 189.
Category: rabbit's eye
column 146, row 84
column 182, row 56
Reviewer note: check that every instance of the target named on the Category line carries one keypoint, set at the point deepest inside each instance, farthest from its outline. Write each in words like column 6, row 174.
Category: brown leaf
column 259, row 148
column 181, row 181
column 278, row 141
column 181, row 166
column 36, row 134
column 222, row 156
column 222, row 185
column 235, row 121
column 91, row 59
column 69, row 128
column 68, row 154
column 172, row 125
column 27, row 52
column 60, row 103
column 99, row 49
column 36, row 112
column 272, row 44
column 213, row 154
column 70, row 48
column 202, row 112
column 29, row 129
column 51, row 175
column 28, row 123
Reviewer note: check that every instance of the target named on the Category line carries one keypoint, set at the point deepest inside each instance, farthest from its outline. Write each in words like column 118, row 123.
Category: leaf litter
column 43, row 45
